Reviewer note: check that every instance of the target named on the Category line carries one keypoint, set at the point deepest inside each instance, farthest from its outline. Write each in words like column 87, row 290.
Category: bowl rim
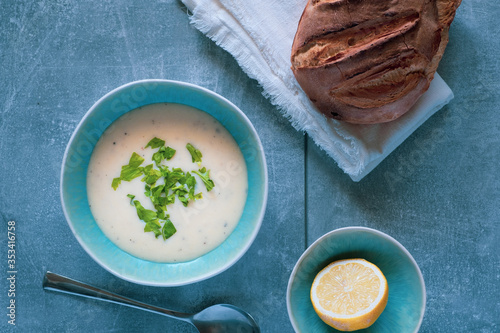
column 259, row 217
column 340, row 231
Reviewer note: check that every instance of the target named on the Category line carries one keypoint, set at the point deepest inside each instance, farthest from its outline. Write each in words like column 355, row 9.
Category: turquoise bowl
column 74, row 191
column 406, row 304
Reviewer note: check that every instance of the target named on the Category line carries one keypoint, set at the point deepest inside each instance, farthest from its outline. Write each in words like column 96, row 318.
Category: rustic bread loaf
column 368, row 61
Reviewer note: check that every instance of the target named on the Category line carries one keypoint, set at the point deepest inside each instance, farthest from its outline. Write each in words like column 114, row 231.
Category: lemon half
column 349, row 294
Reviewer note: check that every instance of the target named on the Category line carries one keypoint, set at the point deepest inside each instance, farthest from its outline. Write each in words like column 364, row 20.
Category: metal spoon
column 220, row 318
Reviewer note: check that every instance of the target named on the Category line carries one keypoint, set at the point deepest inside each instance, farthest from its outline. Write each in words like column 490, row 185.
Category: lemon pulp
column 349, row 294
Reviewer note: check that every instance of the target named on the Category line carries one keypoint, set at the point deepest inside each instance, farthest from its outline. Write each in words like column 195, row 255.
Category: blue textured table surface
column 438, row 193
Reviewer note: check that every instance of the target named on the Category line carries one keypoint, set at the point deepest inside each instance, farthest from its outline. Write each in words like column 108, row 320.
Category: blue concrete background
column 438, row 193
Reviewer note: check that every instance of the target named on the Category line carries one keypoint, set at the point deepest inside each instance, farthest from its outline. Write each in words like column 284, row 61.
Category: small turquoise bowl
column 406, row 304
column 74, row 191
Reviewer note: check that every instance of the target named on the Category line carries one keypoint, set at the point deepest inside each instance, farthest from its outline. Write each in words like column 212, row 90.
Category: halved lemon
column 349, row 294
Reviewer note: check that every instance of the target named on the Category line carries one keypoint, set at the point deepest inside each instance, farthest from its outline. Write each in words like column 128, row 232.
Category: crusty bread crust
column 366, row 61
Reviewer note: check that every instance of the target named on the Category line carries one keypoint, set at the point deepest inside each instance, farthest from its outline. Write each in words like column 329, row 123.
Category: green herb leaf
column 173, row 177
column 204, row 174
column 183, row 199
column 190, row 180
column 164, row 170
column 128, row 173
column 131, row 198
column 150, row 175
column 168, row 229
column 195, row 153
column 132, row 169
column 170, row 199
column 155, row 143
column 157, row 191
column 135, row 160
column 147, row 190
column 168, row 153
column 153, row 226
column 164, row 153
column 116, row 182
column 144, row 214
column 160, row 202
column 161, row 214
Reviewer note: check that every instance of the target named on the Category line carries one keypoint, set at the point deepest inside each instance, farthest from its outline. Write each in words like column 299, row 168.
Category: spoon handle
column 56, row 282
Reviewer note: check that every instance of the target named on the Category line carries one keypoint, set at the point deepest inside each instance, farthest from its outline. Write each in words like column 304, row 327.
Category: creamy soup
column 203, row 224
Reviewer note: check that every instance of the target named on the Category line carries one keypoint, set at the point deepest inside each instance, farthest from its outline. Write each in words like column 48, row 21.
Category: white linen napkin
column 259, row 34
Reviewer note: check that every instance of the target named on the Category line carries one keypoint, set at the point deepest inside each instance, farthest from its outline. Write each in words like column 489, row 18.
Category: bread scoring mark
column 328, row 3
column 332, row 5
column 384, row 83
column 336, row 46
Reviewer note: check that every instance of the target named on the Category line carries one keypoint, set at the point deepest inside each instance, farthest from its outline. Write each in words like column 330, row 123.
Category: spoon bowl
column 219, row 318
column 224, row 318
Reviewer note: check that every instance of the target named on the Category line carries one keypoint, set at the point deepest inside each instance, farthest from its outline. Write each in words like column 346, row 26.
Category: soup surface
column 203, row 224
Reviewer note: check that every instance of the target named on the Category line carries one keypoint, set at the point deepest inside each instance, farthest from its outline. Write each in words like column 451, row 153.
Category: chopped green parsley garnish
column 130, row 171
column 164, row 153
column 155, row 143
column 195, row 153
column 173, row 183
column 204, row 174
